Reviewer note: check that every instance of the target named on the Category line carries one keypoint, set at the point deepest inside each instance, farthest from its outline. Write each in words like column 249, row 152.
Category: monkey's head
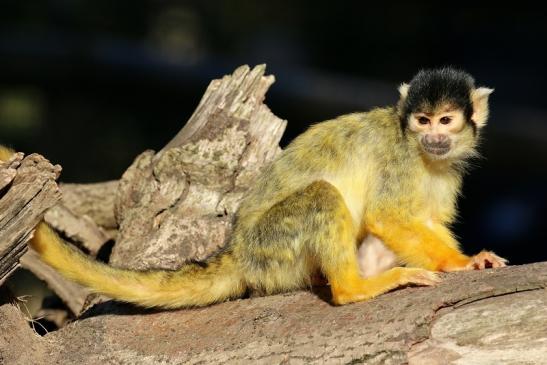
column 442, row 111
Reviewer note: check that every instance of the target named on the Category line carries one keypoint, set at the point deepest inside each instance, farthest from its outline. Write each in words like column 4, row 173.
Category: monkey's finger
column 497, row 264
column 484, row 260
column 497, row 261
column 477, row 264
column 472, row 265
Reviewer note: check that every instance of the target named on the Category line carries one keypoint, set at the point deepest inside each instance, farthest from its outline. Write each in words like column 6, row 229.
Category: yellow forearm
column 418, row 245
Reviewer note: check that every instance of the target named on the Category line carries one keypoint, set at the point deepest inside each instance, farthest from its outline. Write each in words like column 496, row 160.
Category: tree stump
column 178, row 204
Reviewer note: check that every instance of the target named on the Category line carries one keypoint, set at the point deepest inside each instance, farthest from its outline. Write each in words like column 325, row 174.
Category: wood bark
column 27, row 190
column 178, row 204
column 95, row 201
column 80, row 230
column 480, row 317
column 72, row 294
column 77, row 229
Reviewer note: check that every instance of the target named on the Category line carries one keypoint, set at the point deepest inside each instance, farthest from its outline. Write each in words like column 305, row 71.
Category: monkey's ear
column 479, row 99
column 403, row 91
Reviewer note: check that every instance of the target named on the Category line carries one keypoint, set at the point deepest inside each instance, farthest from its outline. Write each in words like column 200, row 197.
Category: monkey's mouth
column 437, row 150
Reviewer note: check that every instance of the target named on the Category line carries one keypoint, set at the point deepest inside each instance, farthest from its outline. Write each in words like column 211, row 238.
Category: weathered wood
column 81, row 230
column 19, row 344
column 70, row 217
column 72, row 294
column 481, row 317
column 8, row 169
column 95, row 201
column 30, row 192
column 178, row 204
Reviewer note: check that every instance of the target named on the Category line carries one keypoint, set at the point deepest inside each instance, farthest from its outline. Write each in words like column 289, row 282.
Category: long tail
column 199, row 284
column 5, row 153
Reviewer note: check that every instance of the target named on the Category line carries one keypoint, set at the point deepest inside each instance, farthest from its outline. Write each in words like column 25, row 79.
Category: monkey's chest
column 435, row 199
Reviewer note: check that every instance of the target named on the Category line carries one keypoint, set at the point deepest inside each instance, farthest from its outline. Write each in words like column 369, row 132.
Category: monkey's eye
column 423, row 120
column 445, row 120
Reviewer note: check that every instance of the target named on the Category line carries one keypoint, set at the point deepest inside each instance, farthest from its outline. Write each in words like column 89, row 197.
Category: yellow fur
column 5, row 153
column 345, row 179
column 190, row 286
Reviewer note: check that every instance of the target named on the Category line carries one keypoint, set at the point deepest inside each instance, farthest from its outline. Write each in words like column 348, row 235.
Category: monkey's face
column 443, row 112
column 442, row 133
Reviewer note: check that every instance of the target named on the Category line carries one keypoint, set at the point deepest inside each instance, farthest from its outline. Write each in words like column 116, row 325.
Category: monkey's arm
column 432, row 248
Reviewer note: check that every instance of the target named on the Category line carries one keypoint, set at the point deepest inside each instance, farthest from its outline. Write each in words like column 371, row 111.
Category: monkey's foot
column 485, row 260
column 360, row 289
column 415, row 276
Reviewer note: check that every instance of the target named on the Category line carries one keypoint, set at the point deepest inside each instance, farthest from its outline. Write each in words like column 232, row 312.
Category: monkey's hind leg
column 335, row 247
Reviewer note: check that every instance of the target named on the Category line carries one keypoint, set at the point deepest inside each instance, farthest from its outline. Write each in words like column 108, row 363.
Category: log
column 75, row 217
column 480, row 317
column 230, row 128
column 80, row 230
column 72, row 294
column 95, row 201
column 28, row 190
column 178, row 204
column 32, row 190
column 19, row 344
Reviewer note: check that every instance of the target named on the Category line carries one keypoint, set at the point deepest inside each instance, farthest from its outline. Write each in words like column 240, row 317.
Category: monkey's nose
column 437, row 139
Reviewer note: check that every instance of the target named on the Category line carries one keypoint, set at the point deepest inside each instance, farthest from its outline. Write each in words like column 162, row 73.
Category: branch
column 178, row 204
column 81, row 230
column 72, row 294
column 31, row 190
column 498, row 315
column 18, row 343
column 71, row 217
column 95, row 201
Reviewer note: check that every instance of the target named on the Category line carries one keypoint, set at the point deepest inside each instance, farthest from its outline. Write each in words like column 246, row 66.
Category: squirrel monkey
column 389, row 178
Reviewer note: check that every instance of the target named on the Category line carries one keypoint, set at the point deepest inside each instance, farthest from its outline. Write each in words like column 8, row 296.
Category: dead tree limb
column 95, row 201
column 29, row 190
column 479, row 317
column 81, row 230
column 178, row 204
column 72, row 294
column 71, row 218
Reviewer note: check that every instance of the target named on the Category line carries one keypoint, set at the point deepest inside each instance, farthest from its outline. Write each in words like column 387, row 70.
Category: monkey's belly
column 374, row 257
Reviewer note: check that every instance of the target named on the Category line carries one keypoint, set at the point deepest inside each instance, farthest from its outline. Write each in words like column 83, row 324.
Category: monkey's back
column 347, row 152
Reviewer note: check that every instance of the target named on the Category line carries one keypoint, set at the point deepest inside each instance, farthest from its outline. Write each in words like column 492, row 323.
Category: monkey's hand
column 485, row 260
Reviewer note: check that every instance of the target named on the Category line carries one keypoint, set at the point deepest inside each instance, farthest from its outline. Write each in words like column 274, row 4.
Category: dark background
column 91, row 84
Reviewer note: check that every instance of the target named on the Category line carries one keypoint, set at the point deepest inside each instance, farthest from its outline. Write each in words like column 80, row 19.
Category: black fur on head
column 430, row 88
